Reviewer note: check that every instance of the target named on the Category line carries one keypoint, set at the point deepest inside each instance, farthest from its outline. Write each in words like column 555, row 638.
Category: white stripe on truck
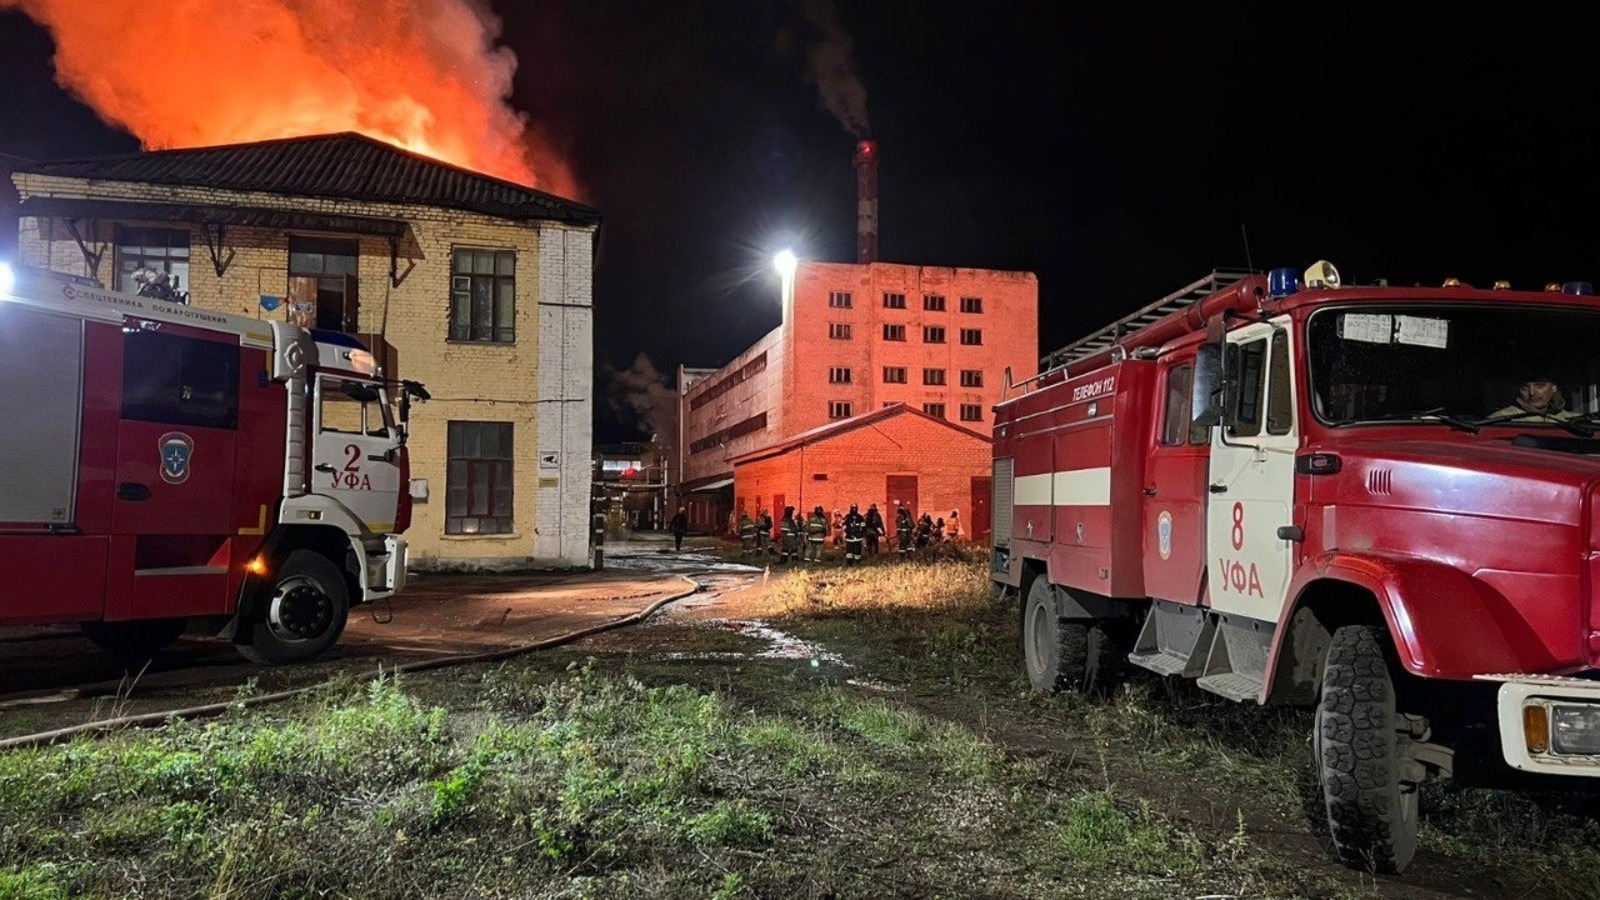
column 1078, row 487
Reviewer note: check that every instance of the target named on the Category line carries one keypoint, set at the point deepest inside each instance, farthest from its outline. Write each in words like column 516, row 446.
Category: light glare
column 785, row 262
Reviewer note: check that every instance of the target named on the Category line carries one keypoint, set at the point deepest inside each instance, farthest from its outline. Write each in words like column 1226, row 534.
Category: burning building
column 855, row 339
column 479, row 288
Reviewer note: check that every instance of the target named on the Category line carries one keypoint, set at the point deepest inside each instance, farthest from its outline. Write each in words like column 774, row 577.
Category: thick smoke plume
column 641, row 397
column 833, row 68
column 428, row 75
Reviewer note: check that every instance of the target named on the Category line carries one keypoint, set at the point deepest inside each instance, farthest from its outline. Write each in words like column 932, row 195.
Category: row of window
column 970, row 412
column 891, row 300
column 323, row 281
column 931, row 334
column 751, row 425
column 970, row 378
column 747, row 371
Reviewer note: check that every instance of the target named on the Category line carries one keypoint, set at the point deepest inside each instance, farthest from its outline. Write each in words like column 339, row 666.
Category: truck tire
column 301, row 615
column 134, row 643
column 1062, row 654
column 1372, row 812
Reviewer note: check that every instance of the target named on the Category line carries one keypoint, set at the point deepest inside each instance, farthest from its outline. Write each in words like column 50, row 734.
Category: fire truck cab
column 165, row 468
column 1379, row 502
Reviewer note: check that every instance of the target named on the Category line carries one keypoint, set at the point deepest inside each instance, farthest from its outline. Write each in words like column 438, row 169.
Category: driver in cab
column 1539, row 400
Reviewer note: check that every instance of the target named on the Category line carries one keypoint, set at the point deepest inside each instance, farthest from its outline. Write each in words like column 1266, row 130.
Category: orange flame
column 427, row 75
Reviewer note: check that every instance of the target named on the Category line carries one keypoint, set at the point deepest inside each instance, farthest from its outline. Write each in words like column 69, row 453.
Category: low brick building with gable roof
column 891, row 454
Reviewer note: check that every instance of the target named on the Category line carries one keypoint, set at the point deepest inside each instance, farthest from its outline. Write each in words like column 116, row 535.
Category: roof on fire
column 345, row 165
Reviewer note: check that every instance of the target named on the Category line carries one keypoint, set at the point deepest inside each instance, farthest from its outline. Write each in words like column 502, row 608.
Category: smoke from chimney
column 866, row 201
column 832, row 67
column 428, row 75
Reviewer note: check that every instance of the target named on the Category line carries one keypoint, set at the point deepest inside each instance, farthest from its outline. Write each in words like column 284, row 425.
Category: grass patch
column 616, row 776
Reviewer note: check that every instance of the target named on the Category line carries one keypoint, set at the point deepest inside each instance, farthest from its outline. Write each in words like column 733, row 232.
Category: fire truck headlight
column 8, row 278
column 1575, row 728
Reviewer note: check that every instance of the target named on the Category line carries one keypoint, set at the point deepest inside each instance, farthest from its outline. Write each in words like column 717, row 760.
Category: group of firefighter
column 798, row 537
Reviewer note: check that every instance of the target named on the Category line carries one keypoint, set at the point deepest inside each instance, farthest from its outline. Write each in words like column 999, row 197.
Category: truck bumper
column 1549, row 724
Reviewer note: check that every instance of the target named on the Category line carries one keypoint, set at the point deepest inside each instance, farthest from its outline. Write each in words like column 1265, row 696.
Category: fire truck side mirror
column 409, row 389
column 1210, row 385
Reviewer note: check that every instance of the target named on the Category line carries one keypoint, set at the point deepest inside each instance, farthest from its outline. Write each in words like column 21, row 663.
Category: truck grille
column 1001, row 509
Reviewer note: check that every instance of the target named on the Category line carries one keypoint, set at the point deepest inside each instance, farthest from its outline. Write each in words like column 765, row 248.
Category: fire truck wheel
column 1372, row 810
column 302, row 614
column 133, row 643
column 1061, row 654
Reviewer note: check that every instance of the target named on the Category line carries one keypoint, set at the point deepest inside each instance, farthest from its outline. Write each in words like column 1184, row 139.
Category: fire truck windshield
column 1468, row 366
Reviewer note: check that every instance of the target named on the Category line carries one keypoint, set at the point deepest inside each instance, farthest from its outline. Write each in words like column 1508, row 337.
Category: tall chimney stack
column 867, row 201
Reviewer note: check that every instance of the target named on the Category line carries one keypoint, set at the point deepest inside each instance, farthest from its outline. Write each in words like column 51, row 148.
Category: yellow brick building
column 479, row 289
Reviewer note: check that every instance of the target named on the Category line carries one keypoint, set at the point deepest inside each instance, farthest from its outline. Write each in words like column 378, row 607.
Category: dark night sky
column 1116, row 153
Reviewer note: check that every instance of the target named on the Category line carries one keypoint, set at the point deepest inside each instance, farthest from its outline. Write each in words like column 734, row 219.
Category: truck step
column 1232, row 685
column 1161, row 662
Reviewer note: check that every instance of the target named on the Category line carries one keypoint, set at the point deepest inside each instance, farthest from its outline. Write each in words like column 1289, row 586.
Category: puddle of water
column 874, row 685
column 781, row 644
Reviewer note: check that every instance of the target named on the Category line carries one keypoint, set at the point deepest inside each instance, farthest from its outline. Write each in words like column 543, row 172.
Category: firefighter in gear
column 875, row 529
column 747, row 533
column 952, row 527
column 1539, row 400
column 790, row 528
column 904, row 525
column 816, row 534
column 855, row 534
column 764, row 533
column 924, row 532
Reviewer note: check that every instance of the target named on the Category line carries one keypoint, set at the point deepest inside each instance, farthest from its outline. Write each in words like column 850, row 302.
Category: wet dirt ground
column 54, row 677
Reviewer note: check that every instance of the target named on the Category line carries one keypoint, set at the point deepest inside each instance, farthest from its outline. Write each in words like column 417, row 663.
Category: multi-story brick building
column 855, row 338
column 478, row 288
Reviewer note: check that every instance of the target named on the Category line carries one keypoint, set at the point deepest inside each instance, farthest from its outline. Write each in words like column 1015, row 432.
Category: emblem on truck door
column 177, row 449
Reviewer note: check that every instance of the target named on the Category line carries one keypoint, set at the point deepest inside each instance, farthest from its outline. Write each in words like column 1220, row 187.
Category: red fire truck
column 165, row 468
column 1382, row 503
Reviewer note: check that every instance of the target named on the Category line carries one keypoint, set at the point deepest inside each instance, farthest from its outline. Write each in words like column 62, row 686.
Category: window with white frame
column 483, row 296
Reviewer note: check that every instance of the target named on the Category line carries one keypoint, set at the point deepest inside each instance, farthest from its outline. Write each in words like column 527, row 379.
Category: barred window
column 839, row 299
column 894, row 301
column 971, row 412
column 933, row 376
column 972, row 378
column 838, row 409
column 932, row 334
column 933, row 303
column 894, row 332
column 972, row 304
column 894, row 374
column 934, row 409
column 839, row 331
column 838, row 375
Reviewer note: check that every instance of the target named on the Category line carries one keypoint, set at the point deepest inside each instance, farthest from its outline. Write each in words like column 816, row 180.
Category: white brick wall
column 566, row 367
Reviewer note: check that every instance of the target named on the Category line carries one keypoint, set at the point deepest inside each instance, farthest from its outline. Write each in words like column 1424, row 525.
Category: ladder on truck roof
column 1108, row 336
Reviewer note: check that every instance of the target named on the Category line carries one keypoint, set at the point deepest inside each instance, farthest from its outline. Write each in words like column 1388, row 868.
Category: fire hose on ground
column 156, row 719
